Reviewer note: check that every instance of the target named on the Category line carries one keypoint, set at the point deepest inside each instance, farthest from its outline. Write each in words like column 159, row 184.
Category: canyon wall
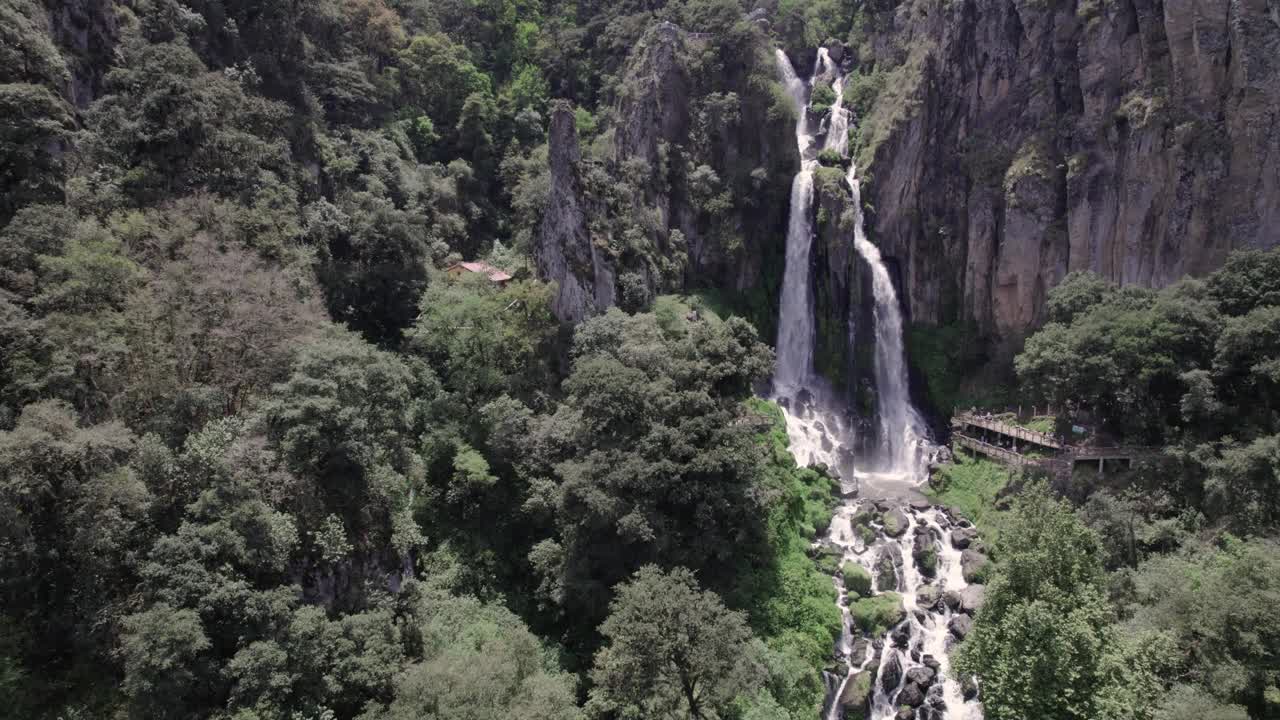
column 1016, row 141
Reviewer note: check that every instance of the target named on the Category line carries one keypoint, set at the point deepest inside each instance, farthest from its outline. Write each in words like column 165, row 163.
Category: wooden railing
column 1120, row 452
column 1004, row 455
column 1004, row 428
column 1061, row 463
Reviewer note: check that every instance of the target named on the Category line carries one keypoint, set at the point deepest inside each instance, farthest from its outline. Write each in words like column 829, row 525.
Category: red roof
column 486, row 269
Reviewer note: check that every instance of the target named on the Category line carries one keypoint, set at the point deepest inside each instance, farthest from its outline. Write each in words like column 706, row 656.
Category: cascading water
column 910, row 667
column 902, row 438
column 900, row 540
column 795, row 318
column 818, row 434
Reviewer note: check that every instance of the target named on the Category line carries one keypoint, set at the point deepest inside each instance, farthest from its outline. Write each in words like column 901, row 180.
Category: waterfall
column 901, row 429
column 818, row 430
column 909, row 666
column 795, row 317
column 838, row 125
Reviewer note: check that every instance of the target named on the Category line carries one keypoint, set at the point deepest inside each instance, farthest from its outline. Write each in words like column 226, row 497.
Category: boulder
column 927, row 596
column 972, row 597
column 969, row 687
column 858, row 650
column 886, row 571
column 856, row 692
column 925, row 554
column 857, row 581
column 905, row 713
column 866, row 534
column 951, row 599
column 901, row 636
column 828, row 559
column 895, row 522
column 935, row 707
column 932, row 663
column 891, row 674
column 921, row 675
column 960, row 626
column 862, row 517
column 962, row 536
column 920, row 505
column 973, row 565
column 876, row 614
column 911, row 696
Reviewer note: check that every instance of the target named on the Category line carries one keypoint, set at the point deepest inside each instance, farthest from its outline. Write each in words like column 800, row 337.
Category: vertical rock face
column 654, row 100
column 1139, row 139
column 87, row 33
column 688, row 186
column 565, row 253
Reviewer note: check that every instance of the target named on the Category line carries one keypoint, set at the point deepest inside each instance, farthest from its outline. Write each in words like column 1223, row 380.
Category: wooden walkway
column 1062, row 457
column 1015, row 431
column 1005, row 455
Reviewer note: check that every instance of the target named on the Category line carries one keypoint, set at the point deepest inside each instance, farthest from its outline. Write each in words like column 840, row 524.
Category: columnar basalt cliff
column 1016, row 141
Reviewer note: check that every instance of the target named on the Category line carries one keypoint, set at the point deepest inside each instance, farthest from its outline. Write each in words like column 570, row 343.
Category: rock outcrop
column 565, row 253
column 688, row 186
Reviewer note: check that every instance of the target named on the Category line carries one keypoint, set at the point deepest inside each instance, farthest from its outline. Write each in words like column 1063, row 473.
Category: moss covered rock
column 876, row 614
column 857, row 580
column 895, row 523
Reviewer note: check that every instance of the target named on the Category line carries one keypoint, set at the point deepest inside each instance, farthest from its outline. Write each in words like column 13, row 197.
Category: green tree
column 437, row 77
column 1038, row 643
column 166, row 662
column 166, row 125
column 373, row 268
column 672, row 650
column 478, row 662
column 484, row 340
column 72, row 521
column 349, row 418
column 649, row 457
column 1079, row 292
column 1215, row 603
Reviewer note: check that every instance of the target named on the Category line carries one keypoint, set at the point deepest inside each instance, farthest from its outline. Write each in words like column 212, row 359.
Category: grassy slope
column 970, row 487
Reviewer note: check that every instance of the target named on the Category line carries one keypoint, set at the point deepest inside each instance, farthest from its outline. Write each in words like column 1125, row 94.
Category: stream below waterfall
column 900, row 582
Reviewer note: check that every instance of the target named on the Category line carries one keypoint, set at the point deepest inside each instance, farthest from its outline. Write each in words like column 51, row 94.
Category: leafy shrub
column 830, row 158
column 822, row 98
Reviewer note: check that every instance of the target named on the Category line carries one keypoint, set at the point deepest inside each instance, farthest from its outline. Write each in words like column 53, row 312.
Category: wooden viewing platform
column 1060, row 462
column 1009, row 429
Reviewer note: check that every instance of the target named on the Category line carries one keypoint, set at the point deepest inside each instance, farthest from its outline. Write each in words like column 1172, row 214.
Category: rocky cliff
column 1009, row 142
column 1004, row 143
column 686, row 188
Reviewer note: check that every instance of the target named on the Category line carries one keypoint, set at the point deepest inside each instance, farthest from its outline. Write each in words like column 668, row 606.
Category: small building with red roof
column 495, row 275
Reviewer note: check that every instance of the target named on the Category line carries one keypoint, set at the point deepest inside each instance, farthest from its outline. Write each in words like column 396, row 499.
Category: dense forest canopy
column 263, row 457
